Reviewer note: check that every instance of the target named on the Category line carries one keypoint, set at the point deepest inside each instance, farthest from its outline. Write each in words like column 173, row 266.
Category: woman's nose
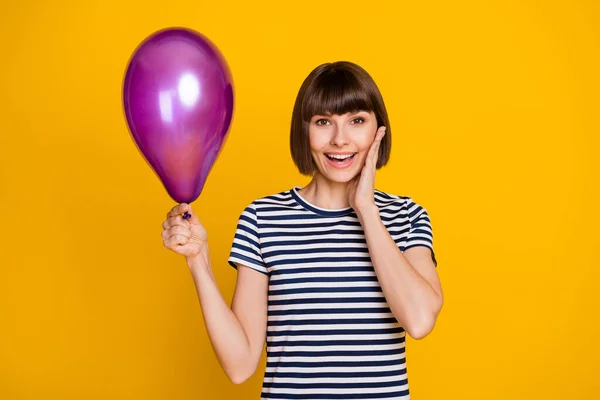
column 339, row 137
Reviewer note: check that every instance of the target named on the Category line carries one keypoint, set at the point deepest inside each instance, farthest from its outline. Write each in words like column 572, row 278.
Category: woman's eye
column 358, row 120
column 322, row 122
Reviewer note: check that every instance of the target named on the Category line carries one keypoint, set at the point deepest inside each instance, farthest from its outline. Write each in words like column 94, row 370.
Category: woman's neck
column 326, row 194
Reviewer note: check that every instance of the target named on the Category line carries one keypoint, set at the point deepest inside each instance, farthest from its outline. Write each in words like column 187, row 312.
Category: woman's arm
column 412, row 290
column 237, row 334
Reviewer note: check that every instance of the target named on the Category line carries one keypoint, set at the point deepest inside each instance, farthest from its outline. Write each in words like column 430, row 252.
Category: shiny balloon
column 178, row 102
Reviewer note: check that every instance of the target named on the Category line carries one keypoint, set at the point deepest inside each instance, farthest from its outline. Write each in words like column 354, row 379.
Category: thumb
column 193, row 219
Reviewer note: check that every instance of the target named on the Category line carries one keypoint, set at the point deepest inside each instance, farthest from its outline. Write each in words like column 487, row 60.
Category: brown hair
column 335, row 88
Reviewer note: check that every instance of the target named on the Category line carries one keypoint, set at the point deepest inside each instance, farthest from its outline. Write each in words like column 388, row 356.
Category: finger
column 380, row 134
column 372, row 158
column 368, row 168
column 176, row 220
column 179, row 209
column 176, row 230
column 376, row 152
column 373, row 150
column 174, row 241
column 193, row 217
column 379, row 138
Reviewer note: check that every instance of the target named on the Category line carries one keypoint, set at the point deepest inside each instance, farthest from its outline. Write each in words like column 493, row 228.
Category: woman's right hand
column 185, row 237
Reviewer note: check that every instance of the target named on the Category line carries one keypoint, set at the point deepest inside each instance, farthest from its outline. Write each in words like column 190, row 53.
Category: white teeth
column 340, row 157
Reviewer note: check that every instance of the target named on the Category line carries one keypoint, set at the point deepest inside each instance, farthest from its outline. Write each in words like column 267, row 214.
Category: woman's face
column 339, row 143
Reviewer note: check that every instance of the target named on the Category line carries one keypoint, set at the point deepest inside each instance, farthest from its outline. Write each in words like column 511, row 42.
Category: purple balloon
column 178, row 102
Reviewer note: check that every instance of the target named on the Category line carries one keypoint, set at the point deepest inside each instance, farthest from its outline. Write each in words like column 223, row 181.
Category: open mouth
column 340, row 159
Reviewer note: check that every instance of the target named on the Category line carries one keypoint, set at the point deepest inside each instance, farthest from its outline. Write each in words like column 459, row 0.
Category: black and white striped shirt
column 330, row 332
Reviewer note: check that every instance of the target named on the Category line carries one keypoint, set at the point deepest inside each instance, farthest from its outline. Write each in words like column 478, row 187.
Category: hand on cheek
column 360, row 195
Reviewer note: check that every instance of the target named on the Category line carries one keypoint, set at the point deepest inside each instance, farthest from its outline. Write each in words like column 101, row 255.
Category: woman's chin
column 339, row 176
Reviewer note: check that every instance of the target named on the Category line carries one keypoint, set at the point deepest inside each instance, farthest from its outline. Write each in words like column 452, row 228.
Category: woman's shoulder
column 401, row 203
column 384, row 199
column 283, row 197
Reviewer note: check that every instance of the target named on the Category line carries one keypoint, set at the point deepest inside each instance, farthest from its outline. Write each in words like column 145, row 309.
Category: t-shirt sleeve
column 421, row 232
column 246, row 242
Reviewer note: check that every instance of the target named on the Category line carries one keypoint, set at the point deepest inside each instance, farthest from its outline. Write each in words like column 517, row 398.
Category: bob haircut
column 335, row 88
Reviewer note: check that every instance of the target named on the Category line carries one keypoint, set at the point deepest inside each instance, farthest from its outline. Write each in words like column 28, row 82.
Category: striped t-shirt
column 330, row 332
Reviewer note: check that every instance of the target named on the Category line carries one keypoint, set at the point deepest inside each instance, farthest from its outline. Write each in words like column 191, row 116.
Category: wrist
column 367, row 212
column 199, row 261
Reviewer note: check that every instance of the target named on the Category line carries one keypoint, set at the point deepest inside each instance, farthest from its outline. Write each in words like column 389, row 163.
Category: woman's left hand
column 361, row 193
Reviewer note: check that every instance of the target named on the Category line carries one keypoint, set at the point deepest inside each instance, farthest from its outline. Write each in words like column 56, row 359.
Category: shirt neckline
column 328, row 212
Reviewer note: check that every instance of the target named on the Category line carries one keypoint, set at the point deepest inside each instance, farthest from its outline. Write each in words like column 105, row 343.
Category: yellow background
column 494, row 110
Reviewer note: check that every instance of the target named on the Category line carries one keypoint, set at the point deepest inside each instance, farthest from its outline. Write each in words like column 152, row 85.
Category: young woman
column 333, row 275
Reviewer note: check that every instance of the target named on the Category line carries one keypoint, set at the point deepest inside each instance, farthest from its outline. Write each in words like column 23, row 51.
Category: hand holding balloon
column 185, row 237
